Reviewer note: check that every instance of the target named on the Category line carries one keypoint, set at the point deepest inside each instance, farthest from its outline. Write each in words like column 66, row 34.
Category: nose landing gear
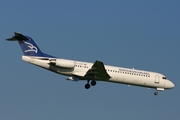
column 156, row 93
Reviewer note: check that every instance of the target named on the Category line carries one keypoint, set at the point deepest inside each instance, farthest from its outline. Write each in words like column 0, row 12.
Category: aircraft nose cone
column 169, row 84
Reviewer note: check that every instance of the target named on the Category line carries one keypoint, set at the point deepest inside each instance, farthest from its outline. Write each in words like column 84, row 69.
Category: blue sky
column 139, row 34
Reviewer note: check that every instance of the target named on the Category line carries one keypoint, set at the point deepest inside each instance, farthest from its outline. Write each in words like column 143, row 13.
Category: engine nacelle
column 63, row 63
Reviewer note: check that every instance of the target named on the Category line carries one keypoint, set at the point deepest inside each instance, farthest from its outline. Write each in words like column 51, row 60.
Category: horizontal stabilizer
column 17, row 36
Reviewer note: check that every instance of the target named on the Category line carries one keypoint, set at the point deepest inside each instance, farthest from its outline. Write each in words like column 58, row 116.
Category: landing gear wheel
column 155, row 93
column 87, row 86
column 93, row 82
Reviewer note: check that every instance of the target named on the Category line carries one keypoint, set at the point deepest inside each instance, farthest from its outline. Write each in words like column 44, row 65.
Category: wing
column 97, row 71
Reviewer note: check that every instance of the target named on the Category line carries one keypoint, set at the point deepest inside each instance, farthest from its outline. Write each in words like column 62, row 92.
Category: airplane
column 92, row 72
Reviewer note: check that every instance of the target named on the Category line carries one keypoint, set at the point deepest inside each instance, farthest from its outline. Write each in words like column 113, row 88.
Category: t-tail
column 28, row 46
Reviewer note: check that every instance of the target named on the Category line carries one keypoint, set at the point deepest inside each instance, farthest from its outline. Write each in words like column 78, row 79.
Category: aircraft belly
column 145, row 82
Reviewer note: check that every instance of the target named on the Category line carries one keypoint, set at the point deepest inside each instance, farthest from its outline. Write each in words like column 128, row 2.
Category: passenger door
column 157, row 79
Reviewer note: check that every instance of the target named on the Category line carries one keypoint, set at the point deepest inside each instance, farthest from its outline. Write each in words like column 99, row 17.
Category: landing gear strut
column 93, row 83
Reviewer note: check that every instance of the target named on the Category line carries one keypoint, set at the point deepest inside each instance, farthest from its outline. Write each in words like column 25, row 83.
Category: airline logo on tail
column 32, row 48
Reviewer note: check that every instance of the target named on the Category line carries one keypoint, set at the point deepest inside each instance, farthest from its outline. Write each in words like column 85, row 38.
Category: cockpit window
column 164, row 78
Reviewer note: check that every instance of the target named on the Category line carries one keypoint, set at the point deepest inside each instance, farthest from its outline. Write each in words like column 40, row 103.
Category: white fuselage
column 118, row 74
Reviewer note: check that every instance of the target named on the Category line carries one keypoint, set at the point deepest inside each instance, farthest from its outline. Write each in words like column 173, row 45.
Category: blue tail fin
column 28, row 46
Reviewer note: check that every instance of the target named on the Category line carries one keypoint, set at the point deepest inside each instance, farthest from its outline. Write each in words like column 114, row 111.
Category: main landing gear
column 93, row 83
